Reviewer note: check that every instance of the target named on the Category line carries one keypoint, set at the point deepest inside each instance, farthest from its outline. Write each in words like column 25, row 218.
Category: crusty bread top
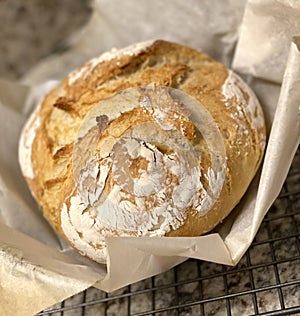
column 50, row 145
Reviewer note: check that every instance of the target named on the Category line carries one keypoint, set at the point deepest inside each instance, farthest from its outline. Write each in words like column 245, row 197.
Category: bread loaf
column 156, row 139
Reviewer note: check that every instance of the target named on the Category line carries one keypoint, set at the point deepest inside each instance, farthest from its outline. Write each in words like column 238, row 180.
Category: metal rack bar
column 281, row 300
column 83, row 299
column 254, row 298
column 228, row 309
column 153, row 294
column 285, row 312
column 200, row 287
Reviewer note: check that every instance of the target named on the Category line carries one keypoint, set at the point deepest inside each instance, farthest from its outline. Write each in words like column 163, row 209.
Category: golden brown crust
column 163, row 64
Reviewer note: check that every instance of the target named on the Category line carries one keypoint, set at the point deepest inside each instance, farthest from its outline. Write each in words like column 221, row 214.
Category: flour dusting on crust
column 26, row 141
column 142, row 182
column 237, row 93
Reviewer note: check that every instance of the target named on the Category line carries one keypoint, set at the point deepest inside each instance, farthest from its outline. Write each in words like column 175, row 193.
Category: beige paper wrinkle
column 133, row 269
column 266, row 32
column 284, row 137
column 153, row 255
column 34, row 276
column 40, row 270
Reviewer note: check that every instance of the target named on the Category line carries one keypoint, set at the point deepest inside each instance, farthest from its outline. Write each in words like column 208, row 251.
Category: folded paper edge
column 279, row 136
column 154, row 260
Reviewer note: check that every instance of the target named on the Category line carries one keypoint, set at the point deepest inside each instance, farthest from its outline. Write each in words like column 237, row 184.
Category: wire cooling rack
column 265, row 282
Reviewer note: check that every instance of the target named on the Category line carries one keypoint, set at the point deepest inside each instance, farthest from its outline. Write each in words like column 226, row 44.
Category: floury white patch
column 26, row 141
column 79, row 227
column 234, row 88
column 142, row 182
column 152, row 195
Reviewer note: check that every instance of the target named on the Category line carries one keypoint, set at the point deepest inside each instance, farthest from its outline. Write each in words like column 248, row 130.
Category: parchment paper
column 266, row 33
column 37, row 268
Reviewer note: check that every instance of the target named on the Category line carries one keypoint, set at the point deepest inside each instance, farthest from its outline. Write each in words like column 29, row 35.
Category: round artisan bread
column 156, row 139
